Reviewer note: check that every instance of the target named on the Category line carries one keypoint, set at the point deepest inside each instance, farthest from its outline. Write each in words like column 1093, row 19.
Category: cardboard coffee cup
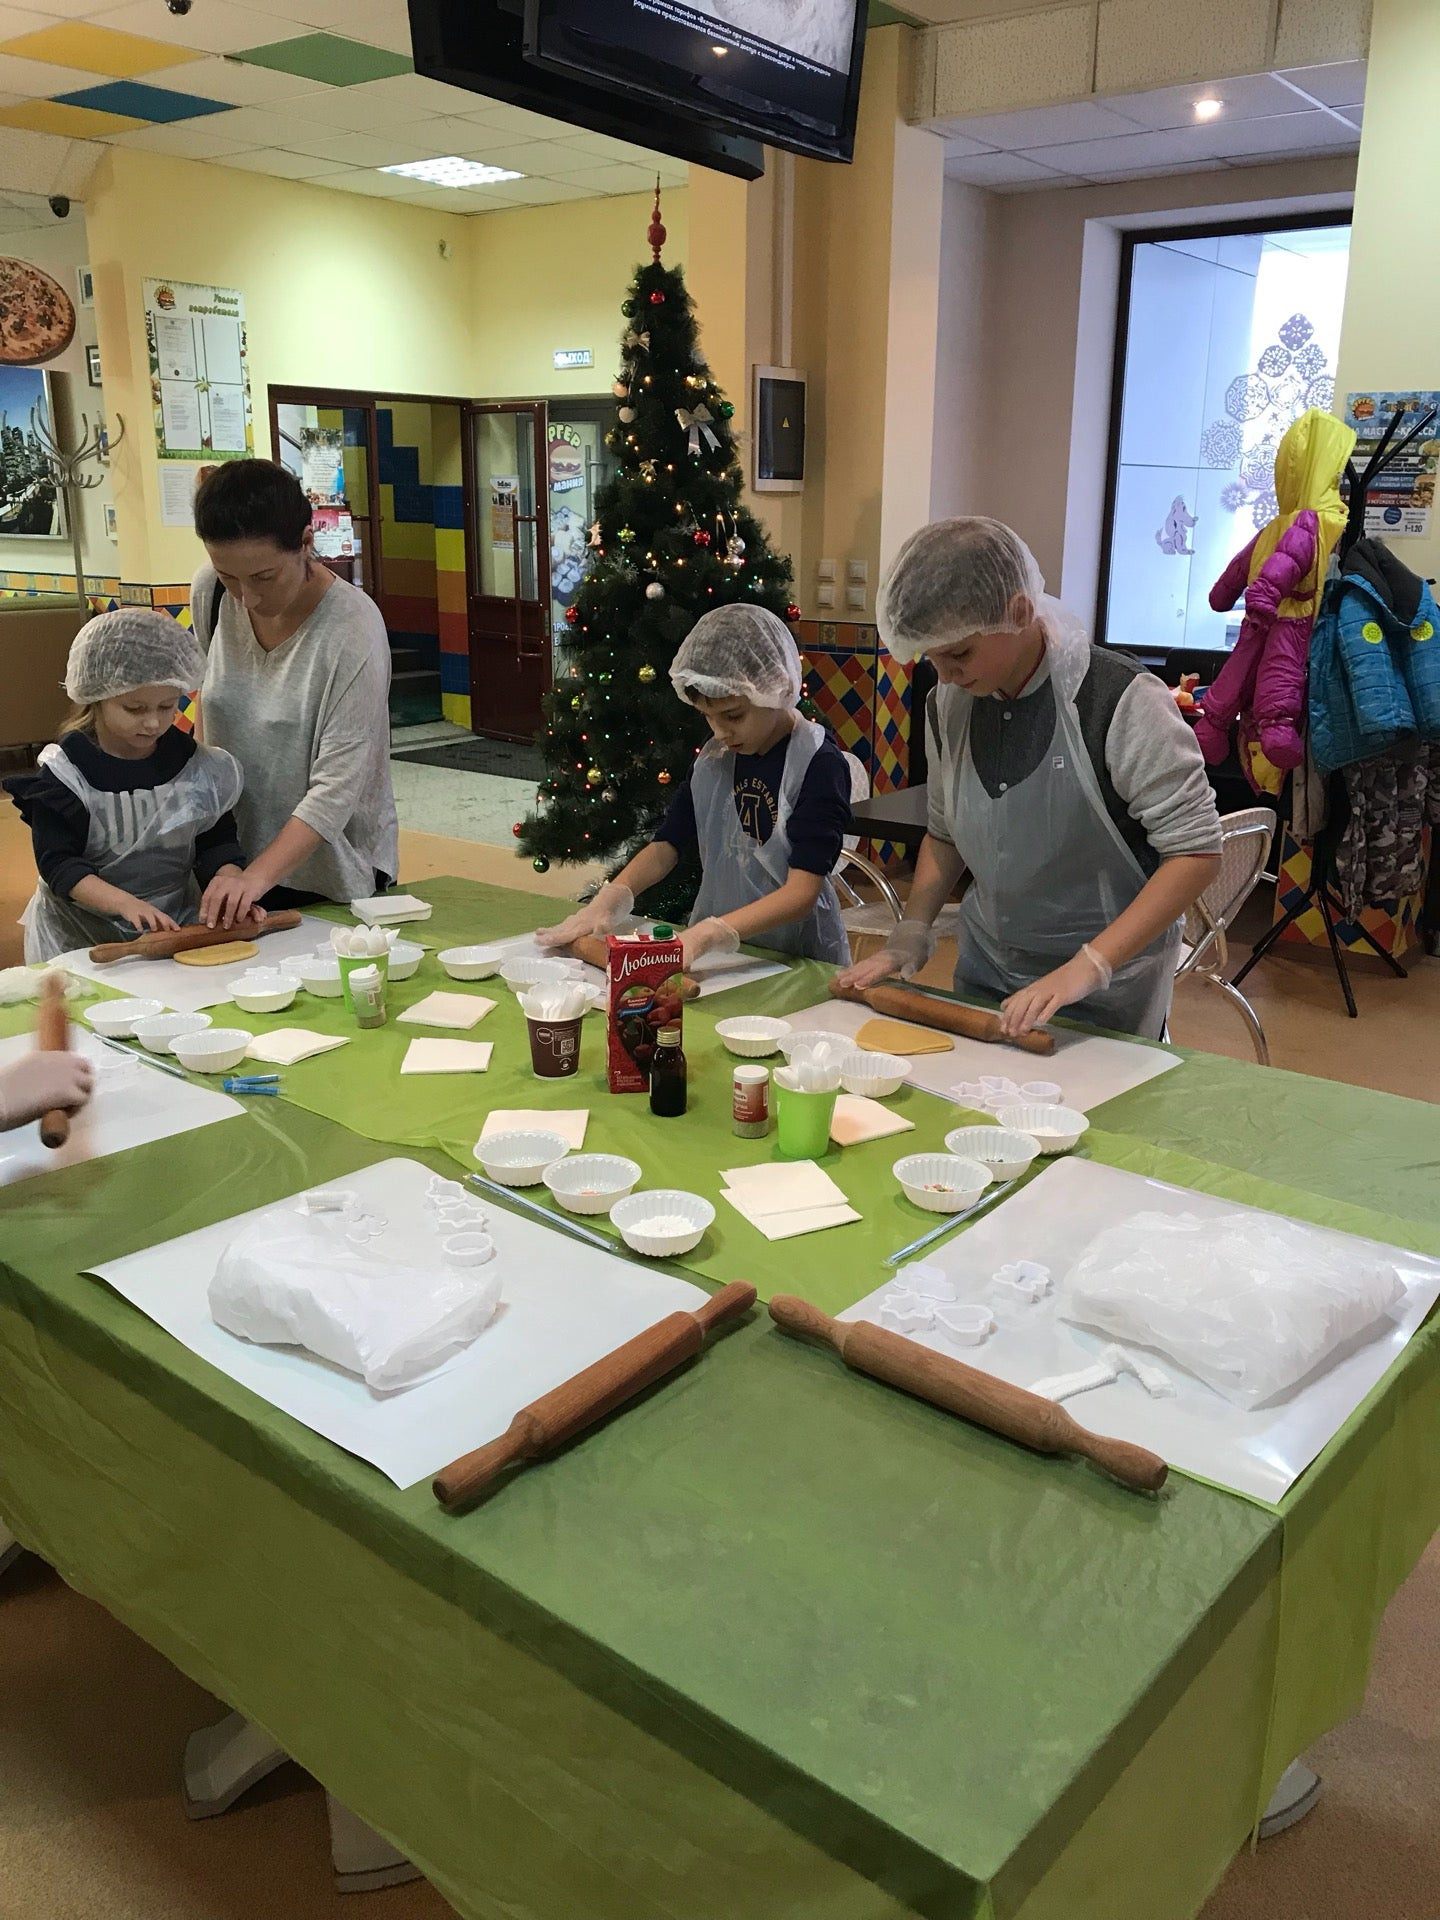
column 554, row 1047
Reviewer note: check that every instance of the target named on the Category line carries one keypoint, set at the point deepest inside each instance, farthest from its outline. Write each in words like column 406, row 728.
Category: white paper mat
column 564, row 1306
column 1090, row 1070
column 193, row 989
column 1260, row 1453
column 716, row 972
column 133, row 1104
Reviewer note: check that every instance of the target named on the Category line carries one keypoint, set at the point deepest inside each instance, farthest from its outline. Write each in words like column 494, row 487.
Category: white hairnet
column 132, row 647
column 734, row 650
column 954, row 578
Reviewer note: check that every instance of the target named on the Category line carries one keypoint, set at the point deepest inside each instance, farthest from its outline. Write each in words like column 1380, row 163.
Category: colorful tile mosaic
column 863, row 696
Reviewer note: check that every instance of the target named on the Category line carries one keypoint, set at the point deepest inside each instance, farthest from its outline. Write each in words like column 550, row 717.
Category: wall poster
column 199, row 381
column 1402, row 499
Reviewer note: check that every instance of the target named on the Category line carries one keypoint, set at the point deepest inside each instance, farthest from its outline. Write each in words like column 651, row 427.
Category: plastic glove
column 1086, row 973
column 907, row 947
column 41, row 1082
column 708, row 936
column 602, row 915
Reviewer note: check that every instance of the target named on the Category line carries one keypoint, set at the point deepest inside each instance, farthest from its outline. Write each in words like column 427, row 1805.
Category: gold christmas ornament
column 663, row 778
column 646, row 675
column 594, row 777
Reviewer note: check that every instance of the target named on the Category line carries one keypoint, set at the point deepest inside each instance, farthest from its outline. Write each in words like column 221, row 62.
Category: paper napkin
column 447, row 1056
column 785, row 1226
column 446, row 1010
column 857, row 1119
column 569, row 1122
column 783, row 1187
column 288, row 1046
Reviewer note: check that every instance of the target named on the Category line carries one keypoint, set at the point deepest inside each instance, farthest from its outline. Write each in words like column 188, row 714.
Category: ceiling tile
column 611, row 180
column 214, row 26
column 1355, row 115
column 202, row 140
column 288, row 166
column 958, row 145
column 536, row 193
column 378, row 149
column 1251, row 97
column 1048, row 126
column 358, row 109
column 1340, row 85
column 74, row 123
column 518, row 122
column 328, row 58
column 443, row 134
column 1129, row 152
column 1007, row 169
column 532, row 157
column 374, row 184
column 38, row 79
column 451, row 200
column 241, row 86
column 92, row 49
column 70, row 9
column 14, row 20
column 260, row 127
column 1158, row 173
column 1282, row 133
column 159, row 104
column 388, row 28
column 419, row 95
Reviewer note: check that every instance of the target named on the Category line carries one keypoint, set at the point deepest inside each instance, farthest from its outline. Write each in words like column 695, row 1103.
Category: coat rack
column 67, row 466
column 1319, row 891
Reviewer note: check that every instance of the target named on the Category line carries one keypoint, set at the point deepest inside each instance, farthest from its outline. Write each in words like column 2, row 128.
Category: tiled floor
column 443, row 800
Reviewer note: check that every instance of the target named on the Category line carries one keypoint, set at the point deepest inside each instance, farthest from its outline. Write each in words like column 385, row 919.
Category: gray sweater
column 309, row 723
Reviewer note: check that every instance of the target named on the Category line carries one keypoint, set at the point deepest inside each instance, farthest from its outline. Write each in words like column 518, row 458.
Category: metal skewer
column 145, row 1059
column 534, row 1208
column 951, row 1221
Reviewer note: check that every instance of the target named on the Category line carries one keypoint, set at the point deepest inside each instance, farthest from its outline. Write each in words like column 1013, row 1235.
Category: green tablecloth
column 777, row 1640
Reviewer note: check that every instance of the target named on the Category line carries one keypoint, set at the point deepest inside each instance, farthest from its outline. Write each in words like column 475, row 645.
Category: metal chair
column 1245, row 841
column 861, row 916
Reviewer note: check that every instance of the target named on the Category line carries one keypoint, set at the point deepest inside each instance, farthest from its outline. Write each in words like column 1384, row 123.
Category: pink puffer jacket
column 1262, row 684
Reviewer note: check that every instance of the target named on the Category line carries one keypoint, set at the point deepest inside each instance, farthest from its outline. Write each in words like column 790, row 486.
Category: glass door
column 509, row 595
column 578, row 464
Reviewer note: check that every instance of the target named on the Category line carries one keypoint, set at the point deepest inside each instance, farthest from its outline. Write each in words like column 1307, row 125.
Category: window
column 1225, row 337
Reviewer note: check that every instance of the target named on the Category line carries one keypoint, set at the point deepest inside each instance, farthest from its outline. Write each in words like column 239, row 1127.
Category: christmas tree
column 671, row 539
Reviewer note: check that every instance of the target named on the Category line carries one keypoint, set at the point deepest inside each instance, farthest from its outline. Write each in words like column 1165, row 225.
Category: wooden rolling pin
column 975, row 1396
column 164, row 946
column 548, row 1423
column 948, row 1016
column 52, row 1035
column 594, row 953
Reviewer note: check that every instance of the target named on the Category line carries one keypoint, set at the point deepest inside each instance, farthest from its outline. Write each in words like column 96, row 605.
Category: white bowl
column 469, row 963
column 160, row 1032
column 666, row 1205
column 1005, row 1152
column 116, row 1018
column 592, row 1182
column 519, row 974
column 264, row 992
column 320, row 974
column 752, row 1036
column 941, row 1182
column 875, row 1075
column 795, row 1043
column 405, row 958
column 519, row 1158
column 1056, row 1128
column 214, row 1051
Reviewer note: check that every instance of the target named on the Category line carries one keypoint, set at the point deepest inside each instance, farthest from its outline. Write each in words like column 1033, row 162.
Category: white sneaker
column 1296, row 1794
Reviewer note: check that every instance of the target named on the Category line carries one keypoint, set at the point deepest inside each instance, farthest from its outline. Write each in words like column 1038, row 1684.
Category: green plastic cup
column 348, row 966
column 802, row 1123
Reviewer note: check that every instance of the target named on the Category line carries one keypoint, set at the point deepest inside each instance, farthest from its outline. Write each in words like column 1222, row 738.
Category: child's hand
column 40, row 1082
column 141, row 914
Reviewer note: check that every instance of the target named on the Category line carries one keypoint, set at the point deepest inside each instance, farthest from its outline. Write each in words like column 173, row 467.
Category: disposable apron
column 1050, row 870
column 739, row 870
column 142, row 841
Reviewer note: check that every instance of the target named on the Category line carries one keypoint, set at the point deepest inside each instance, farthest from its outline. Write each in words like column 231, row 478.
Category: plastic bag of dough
column 293, row 1280
column 1249, row 1303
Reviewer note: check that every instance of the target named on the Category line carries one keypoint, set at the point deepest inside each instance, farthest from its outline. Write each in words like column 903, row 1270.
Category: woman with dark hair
column 297, row 687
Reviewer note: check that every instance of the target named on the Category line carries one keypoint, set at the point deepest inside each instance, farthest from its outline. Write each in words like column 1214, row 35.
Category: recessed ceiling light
column 1207, row 108
column 453, row 172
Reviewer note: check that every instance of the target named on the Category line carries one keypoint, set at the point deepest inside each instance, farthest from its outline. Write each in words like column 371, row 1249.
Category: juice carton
column 644, row 982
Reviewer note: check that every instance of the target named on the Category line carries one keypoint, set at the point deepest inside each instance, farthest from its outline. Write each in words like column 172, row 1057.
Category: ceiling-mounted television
column 785, row 71
column 479, row 45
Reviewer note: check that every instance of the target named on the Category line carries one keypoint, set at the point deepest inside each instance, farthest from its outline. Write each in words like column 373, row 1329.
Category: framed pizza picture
column 30, row 507
column 37, row 316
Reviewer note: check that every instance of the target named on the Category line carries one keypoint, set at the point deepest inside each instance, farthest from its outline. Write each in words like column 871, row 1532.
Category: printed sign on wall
column 199, row 378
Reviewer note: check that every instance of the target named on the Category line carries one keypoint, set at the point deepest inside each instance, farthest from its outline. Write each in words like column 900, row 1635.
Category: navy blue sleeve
column 820, row 818
column 677, row 829
column 59, row 824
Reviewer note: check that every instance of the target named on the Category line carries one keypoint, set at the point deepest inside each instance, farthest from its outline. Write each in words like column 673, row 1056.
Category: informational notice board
column 199, row 385
column 1401, row 500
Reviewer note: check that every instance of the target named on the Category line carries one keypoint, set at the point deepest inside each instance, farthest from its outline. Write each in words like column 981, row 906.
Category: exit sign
column 574, row 357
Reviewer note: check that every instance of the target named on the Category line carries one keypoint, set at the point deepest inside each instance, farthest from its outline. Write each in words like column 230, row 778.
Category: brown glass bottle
column 667, row 1075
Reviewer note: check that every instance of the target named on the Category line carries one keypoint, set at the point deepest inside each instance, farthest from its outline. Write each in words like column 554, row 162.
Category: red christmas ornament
column 792, row 612
column 655, row 233
column 572, row 615
column 657, row 298
column 702, row 538
column 516, row 829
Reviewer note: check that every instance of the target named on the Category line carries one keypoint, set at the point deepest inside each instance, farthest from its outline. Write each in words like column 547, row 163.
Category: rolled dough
column 224, row 955
column 898, row 1036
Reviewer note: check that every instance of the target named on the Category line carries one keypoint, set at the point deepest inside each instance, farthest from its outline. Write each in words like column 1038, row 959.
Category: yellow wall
column 542, row 278
column 1388, row 340
column 342, row 290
